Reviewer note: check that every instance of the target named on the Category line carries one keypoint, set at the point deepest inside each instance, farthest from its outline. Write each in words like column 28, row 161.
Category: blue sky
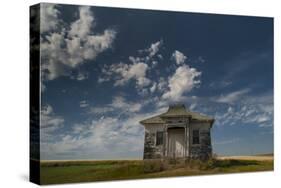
column 105, row 69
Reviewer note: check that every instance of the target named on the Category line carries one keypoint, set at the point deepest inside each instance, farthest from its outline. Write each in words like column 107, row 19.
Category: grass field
column 55, row 172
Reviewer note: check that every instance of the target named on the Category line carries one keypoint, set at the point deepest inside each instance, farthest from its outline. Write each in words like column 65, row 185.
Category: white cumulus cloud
column 154, row 48
column 127, row 72
column 183, row 80
column 49, row 17
column 179, row 57
column 65, row 49
column 82, row 27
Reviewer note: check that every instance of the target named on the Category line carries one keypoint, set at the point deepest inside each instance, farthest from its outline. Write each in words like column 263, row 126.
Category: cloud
column 49, row 122
column 162, row 84
column 154, row 48
column 49, row 119
column 126, row 72
column 100, row 110
column 201, row 59
column 82, row 27
column 119, row 105
column 192, row 106
column 107, row 138
column 183, row 80
column 153, row 87
column 82, row 75
column 245, row 61
column 83, row 104
column 220, row 84
column 229, row 141
column 65, row 49
column 178, row 57
column 136, row 69
column 231, row 97
column 116, row 133
column 49, row 17
column 249, row 110
column 141, row 68
column 110, row 137
column 263, row 118
column 43, row 87
column 136, row 60
column 148, row 55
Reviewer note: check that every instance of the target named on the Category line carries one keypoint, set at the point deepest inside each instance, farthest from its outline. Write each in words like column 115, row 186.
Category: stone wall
column 151, row 151
column 203, row 150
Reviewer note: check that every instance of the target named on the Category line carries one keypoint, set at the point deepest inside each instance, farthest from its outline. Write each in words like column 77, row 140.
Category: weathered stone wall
column 203, row 150
column 151, row 151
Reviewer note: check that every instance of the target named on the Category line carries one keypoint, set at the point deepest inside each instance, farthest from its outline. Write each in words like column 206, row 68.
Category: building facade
column 177, row 133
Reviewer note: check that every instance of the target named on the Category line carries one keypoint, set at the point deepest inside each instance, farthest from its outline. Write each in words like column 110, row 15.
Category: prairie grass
column 86, row 171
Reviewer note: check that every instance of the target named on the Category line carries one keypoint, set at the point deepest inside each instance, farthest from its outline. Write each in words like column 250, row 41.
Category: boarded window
column 195, row 138
column 159, row 138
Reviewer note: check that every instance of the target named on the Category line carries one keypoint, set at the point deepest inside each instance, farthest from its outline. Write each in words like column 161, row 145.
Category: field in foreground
column 55, row 172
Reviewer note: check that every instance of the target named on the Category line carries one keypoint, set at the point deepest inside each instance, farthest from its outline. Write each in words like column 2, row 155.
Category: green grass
column 86, row 171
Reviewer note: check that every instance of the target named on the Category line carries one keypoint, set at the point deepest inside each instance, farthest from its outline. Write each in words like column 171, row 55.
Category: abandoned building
column 177, row 133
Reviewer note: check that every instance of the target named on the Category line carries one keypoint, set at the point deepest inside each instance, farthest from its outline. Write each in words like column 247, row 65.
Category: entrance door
column 176, row 143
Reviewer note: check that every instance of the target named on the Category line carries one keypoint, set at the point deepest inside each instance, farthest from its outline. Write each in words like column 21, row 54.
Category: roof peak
column 176, row 106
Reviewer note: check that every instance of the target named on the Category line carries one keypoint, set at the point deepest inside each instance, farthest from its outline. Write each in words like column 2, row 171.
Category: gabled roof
column 178, row 110
column 175, row 110
column 154, row 119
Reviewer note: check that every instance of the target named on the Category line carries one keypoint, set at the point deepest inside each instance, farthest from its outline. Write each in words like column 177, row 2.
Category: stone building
column 177, row 133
